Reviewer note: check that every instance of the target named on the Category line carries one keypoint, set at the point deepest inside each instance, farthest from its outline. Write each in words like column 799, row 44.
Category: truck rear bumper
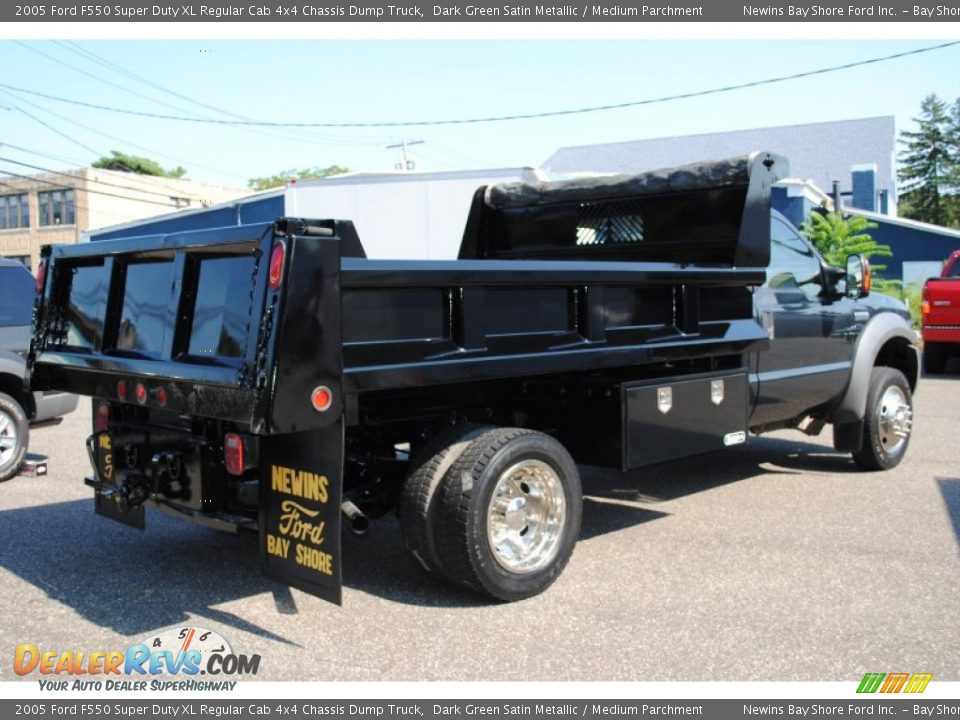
column 941, row 334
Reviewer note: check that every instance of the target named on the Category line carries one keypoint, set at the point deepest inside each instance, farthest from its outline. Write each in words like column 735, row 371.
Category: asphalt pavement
column 777, row 561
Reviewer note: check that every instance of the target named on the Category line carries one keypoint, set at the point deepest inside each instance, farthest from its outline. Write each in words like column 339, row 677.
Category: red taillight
column 277, row 258
column 233, row 453
column 162, row 396
column 141, row 393
column 321, row 398
column 101, row 418
column 41, row 276
column 122, row 390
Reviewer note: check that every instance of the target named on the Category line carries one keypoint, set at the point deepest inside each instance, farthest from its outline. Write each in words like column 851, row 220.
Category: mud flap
column 301, row 460
column 300, row 487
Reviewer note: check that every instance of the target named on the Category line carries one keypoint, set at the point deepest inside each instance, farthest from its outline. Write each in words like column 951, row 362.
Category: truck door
column 811, row 332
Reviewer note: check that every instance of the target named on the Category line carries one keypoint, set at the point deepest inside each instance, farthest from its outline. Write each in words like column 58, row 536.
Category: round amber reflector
column 321, row 398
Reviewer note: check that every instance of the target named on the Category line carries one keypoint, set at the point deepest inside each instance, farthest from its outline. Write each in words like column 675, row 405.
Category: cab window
column 794, row 269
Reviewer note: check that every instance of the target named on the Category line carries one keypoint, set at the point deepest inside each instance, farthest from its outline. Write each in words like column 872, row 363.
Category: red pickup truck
column 941, row 316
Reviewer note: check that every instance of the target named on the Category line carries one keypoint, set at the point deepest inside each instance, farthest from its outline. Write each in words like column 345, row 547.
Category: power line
column 91, row 56
column 497, row 118
column 29, row 151
column 77, row 142
column 311, row 137
column 117, row 139
column 50, row 127
column 99, row 182
column 78, row 206
column 65, row 64
column 60, row 186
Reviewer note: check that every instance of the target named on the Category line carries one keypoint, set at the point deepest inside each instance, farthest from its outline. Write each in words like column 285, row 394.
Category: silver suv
column 18, row 406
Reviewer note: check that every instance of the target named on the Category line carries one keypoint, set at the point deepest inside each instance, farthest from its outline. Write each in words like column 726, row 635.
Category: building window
column 14, row 212
column 56, row 207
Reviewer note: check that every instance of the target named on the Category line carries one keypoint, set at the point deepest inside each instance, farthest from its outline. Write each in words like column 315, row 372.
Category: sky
column 382, row 81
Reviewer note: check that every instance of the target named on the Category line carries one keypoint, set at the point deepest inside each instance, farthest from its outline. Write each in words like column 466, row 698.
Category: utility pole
column 405, row 165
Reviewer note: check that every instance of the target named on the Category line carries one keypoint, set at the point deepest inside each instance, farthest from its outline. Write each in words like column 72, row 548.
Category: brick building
column 58, row 207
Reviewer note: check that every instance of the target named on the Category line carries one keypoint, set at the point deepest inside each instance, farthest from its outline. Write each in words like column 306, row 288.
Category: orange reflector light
column 867, row 276
column 141, row 393
column 925, row 307
column 101, row 418
column 122, row 390
column 233, row 453
column 277, row 258
column 321, row 398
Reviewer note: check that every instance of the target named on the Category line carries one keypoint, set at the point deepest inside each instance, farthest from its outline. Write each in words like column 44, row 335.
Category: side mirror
column 858, row 276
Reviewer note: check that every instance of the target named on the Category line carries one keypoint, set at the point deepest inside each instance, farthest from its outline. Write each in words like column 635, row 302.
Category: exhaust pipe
column 356, row 520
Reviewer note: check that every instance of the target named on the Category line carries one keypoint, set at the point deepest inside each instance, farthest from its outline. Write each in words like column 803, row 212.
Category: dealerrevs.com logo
column 894, row 682
column 178, row 652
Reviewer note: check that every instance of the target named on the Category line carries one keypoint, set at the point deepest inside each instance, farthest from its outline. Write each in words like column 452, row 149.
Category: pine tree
column 929, row 163
column 953, row 175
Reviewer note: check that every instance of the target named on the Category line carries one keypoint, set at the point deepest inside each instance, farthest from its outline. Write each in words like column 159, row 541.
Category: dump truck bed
column 266, row 376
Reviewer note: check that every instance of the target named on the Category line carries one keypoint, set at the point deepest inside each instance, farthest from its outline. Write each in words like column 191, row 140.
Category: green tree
column 135, row 164
column 836, row 237
column 929, row 163
column 283, row 177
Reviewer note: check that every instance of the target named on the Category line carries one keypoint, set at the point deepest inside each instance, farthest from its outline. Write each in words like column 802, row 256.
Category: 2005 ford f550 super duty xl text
column 272, row 378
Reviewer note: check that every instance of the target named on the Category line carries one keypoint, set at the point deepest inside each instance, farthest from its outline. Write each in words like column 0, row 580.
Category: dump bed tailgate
column 189, row 319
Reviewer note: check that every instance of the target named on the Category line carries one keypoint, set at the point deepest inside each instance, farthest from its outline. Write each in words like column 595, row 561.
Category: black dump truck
column 271, row 378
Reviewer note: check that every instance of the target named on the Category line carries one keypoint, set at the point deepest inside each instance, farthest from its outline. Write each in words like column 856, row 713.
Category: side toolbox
column 670, row 418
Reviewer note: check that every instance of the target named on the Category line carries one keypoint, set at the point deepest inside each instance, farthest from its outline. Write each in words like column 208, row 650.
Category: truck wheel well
column 13, row 386
column 897, row 353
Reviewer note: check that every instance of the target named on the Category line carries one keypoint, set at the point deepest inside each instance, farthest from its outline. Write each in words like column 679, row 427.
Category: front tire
column 14, row 436
column 888, row 422
column 511, row 513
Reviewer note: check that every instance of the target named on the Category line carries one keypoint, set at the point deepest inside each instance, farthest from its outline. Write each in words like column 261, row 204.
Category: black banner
column 483, row 11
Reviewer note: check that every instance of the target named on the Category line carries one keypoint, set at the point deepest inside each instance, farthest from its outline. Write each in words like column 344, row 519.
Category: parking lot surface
column 776, row 561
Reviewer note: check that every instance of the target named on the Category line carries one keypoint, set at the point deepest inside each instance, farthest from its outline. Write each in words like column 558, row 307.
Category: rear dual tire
column 506, row 512
column 419, row 504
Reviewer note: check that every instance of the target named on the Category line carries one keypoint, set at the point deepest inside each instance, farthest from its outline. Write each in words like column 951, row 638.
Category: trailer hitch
column 130, row 495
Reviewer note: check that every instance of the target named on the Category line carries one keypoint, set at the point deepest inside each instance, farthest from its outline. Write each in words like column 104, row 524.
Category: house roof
column 906, row 222
column 821, row 152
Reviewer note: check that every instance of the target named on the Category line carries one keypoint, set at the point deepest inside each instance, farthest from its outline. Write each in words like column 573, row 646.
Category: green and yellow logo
column 894, row 682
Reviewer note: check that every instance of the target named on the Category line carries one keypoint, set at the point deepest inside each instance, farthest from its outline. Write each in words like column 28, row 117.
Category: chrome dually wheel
column 510, row 516
column 894, row 419
column 887, row 422
column 525, row 517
